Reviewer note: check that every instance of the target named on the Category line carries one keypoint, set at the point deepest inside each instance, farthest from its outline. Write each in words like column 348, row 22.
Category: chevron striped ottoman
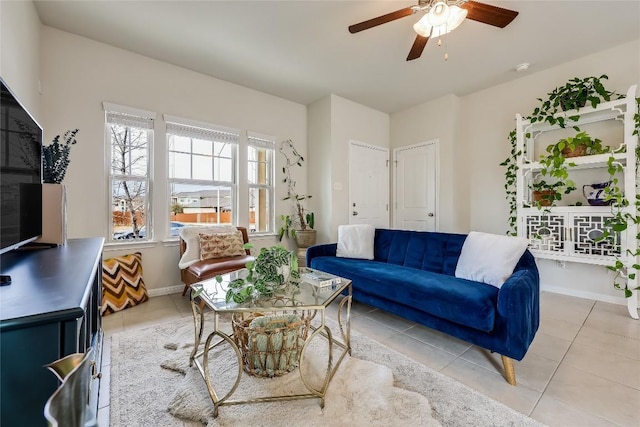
column 122, row 284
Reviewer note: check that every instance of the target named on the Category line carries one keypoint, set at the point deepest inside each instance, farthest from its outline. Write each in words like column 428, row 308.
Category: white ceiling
column 302, row 51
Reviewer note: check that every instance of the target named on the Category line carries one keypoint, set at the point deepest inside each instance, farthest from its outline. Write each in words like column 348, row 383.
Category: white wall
column 439, row 119
column 319, row 137
column 486, row 119
column 20, row 52
column 333, row 122
column 78, row 74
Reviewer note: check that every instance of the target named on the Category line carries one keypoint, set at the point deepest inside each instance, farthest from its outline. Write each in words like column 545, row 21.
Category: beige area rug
column 152, row 385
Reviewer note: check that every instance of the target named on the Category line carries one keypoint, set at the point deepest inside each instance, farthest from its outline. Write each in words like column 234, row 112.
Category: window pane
column 199, row 205
column 223, row 170
column 201, row 146
column 129, row 150
column 179, row 165
column 202, row 168
column 222, row 149
column 179, row 143
column 129, row 202
column 253, row 172
column 253, row 154
column 259, row 209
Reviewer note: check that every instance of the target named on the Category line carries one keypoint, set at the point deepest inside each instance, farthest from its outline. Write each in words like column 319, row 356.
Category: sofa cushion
column 458, row 300
column 490, row 258
column 355, row 241
column 435, row 252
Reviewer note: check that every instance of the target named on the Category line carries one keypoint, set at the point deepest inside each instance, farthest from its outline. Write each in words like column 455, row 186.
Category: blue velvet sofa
column 413, row 275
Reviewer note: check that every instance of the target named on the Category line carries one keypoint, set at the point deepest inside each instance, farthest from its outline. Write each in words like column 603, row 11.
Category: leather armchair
column 209, row 268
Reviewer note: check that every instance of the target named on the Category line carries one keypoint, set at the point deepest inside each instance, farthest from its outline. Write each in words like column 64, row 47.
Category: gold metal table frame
column 306, row 298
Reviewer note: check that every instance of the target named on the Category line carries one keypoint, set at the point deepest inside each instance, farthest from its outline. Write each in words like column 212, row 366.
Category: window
column 129, row 135
column 202, row 173
column 261, row 189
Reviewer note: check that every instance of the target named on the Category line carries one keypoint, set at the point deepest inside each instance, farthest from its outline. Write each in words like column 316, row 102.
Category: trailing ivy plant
column 621, row 217
column 575, row 94
column 588, row 89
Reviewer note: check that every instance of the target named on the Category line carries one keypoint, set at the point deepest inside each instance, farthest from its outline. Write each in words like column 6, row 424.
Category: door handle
column 430, row 214
column 354, row 213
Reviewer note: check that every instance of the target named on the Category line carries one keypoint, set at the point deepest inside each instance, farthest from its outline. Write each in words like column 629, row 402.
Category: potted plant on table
column 273, row 269
column 299, row 225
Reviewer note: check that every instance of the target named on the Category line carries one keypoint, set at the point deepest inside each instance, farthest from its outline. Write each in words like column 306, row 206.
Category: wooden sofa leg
column 184, row 291
column 509, row 371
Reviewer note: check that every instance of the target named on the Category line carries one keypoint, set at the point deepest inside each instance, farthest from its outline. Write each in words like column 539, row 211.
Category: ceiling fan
column 441, row 17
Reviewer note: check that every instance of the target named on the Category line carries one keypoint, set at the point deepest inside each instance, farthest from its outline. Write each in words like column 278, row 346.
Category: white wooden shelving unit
column 568, row 233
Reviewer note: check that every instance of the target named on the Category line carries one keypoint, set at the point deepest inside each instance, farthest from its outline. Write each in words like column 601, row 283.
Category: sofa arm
column 519, row 309
column 328, row 249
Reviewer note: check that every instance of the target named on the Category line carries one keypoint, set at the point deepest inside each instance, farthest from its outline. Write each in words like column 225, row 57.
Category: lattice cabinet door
column 585, row 231
column 546, row 232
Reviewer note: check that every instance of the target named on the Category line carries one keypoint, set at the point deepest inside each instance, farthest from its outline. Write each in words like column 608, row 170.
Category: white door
column 415, row 179
column 368, row 185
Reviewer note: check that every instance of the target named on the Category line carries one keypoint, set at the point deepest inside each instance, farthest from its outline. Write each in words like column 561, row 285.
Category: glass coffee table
column 305, row 301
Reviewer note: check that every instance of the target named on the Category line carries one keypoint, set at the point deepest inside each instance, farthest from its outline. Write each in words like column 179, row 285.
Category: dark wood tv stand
column 51, row 309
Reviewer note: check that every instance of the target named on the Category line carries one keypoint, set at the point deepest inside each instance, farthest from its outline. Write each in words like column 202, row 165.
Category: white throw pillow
column 489, row 258
column 355, row 241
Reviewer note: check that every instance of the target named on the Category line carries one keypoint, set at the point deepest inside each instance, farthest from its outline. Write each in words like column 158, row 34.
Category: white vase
column 54, row 214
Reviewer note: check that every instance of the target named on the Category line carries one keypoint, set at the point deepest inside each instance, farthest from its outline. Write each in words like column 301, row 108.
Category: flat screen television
column 20, row 173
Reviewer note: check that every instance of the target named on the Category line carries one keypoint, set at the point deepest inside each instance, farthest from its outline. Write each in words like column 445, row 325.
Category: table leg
column 204, row 370
column 198, row 325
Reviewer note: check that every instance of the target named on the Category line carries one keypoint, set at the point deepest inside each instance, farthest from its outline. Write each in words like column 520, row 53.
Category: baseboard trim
column 168, row 290
column 583, row 294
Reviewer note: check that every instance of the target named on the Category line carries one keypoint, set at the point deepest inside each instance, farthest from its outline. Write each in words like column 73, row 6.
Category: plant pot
column 543, row 198
column 304, row 239
column 580, row 150
column 568, row 102
column 54, row 214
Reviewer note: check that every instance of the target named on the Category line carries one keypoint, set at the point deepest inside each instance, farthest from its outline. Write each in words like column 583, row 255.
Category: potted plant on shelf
column 573, row 95
column 299, row 225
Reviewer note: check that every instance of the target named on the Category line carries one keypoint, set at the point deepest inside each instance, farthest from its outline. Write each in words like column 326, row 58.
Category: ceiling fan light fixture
column 423, row 27
column 438, row 14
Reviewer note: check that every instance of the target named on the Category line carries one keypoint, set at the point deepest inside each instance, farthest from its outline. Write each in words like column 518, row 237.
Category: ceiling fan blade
column 365, row 25
column 417, row 48
column 487, row 14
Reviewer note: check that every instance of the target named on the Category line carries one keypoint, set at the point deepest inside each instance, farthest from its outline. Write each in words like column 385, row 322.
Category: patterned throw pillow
column 221, row 245
column 122, row 284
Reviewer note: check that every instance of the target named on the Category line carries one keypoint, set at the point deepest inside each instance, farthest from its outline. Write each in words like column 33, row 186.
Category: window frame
column 177, row 126
column 258, row 141
column 141, row 119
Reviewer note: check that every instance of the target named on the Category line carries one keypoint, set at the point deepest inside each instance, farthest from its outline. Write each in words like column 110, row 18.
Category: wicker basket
column 270, row 344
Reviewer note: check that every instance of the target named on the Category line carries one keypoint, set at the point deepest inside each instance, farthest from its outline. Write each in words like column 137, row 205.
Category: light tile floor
column 583, row 368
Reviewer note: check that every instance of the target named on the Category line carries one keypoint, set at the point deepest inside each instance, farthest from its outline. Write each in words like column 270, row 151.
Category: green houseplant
column 55, row 157
column 554, row 165
column 273, row 269
column 298, row 226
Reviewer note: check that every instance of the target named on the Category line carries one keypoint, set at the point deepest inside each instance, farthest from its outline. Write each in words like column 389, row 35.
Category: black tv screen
column 20, row 173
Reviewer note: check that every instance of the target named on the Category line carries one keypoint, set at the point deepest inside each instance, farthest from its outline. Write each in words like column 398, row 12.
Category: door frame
column 436, row 144
column 353, row 142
